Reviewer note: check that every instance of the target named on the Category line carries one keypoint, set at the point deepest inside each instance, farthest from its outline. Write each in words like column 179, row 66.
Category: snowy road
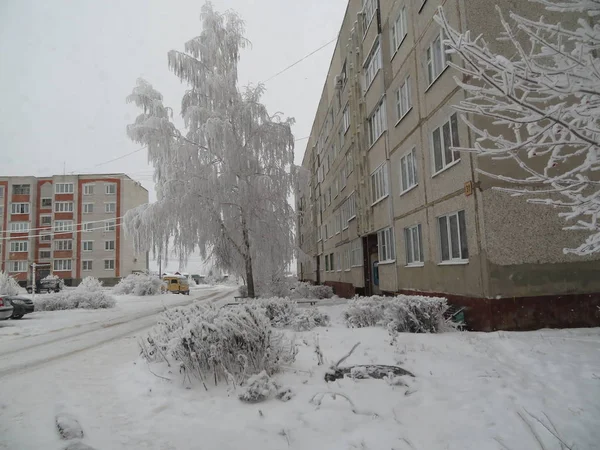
column 66, row 369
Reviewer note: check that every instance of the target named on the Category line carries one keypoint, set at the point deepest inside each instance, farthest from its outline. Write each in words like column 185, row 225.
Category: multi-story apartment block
column 69, row 225
column 389, row 208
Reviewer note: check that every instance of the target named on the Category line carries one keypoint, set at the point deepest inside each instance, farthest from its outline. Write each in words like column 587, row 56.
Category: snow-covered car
column 6, row 309
column 46, row 285
column 21, row 306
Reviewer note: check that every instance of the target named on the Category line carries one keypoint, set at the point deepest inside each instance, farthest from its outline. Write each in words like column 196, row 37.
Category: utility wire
column 50, row 228
column 81, row 230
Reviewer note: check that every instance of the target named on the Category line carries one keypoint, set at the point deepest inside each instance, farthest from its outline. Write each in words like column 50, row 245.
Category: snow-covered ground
column 470, row 391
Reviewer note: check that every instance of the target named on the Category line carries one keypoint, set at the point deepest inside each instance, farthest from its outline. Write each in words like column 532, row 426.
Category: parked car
column 21, row 306
column 52, row 285
column 176, row 285
column 6, row 308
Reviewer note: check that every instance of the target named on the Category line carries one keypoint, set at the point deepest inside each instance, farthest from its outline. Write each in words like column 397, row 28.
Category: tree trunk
column 247, row 258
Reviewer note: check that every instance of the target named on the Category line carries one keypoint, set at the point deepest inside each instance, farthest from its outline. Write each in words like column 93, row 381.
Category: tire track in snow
column 89, row 339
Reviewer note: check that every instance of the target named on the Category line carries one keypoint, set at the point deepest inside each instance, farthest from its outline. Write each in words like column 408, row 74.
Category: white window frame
column 343, row 177
column 46, row 237
column 88, row 208
column 379, row 184
column 347, row 256
column 87, row 246
column 413, row 243
column 87, row 265
column 398, row 30
column 1, row 191
column 337, row 222
column 88, row 189
column 64, row 188
column 351, row 206
column 19, row 247
column 436, row 62
column 385, row 245
column 45, row 250
column 63, row 245
column 463, row 252
column 110, row 207
column 87, row 227
column 338, row 261
column 109, row 261
column 109, row 188
column 45, row 216
column 408, row 171
column 17, row 266
column 16, row 207
column 60, row 207
column 62, row 265
column 444, row 147
column 63, row 226
column 403, row 100
column 42, row 203
column 372, row 64
column 22, row 187
column 369, row 9
column 356, row 250
column 110, row 225
column 107, row 245
column 349, row 163
column 345, row 121
column 19, row 227
column 377, row 123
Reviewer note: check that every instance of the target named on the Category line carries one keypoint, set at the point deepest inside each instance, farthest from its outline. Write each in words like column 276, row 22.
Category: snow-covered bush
column 309, row 318
column 403, row 313
column 139, row 284
column 259, row 388
column 307, row 290
column 8, row 285
column 88, row 295
column 243, row 290
column 280, row 311
column 219, row 344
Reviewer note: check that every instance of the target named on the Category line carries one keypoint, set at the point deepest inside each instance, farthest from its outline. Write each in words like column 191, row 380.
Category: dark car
column 6, row 308
column 21, row 306
column 53, row 285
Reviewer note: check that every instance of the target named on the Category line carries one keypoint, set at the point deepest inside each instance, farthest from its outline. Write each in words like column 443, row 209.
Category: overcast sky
column 67, row 66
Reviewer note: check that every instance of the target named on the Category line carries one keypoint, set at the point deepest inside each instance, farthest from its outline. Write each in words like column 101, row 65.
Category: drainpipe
column 391, row 200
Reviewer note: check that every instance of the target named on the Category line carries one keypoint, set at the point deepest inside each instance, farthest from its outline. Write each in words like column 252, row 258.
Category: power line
column 110, row 160
column 50, row 228
column 81, row 230
column 300, row 60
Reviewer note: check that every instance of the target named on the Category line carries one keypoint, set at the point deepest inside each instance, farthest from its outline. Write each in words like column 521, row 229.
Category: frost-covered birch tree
column 222, row 183
column 543, row 100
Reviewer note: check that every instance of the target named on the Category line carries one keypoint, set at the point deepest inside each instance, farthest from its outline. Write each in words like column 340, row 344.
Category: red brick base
column 526, row 313
column 344, row 290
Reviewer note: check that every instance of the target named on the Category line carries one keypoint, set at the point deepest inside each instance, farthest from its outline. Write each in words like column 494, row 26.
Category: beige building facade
column 389, row 208
column 70, row 225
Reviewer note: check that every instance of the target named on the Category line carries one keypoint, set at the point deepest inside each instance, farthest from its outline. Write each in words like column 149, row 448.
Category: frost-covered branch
column 543, row 109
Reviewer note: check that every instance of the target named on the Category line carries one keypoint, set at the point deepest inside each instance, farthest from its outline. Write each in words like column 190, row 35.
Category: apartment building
column 389, row 208
column 69, row 225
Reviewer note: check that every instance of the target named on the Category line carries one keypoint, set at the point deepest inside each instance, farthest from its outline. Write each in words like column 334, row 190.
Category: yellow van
column 176, row 285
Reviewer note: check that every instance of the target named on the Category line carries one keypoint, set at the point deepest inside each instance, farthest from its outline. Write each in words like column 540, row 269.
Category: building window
column 88, row 208
column 357, row 253
column 110, row 207
column 343, row 177
column 19, row 208
column 21, row 189
column 109, row 264
column 351, row 202
column 63, row 226
column 45, row 254
column 437, row 60
column 328, row 196
column 385, row 244
column 369, row 7
column 372, row 64
column 443, row 138
column 109, row 245
column 399, row 30
column 377, row 123
column 408, row 170
column 1, row 191
column 87, row 227
column 88, row 246
column 17, row 266
column 326, row 263
column 379, row 183
column 110, row 188
column 338, row 261
column 110, row 225
column 403, row 99
column 349, row 163
column 88, row 189
column 63, row 244
column 345, row 120
column 86, row 266
column 414, row 245
column 46, row 203
column 19, row 246
column 346, row 255
column 331, row 262
column 63, row 188
column 62, row 264
column 46, row 238
column 19, row 227
column 63, row 207
column 319, row 234
column 453, row 237
column 338, row 223
column 46, row 220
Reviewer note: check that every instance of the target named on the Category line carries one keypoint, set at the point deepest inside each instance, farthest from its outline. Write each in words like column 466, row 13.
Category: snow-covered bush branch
column 8, row 285
column 223, row 183
column 139, row 284
column 542, row 103
column 284, row 313
column 88, row 295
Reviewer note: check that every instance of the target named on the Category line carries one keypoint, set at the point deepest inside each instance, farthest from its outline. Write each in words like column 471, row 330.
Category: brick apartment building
column 388, row 208
column 70, row 225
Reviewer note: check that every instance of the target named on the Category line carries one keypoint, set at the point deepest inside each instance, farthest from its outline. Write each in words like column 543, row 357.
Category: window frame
column 109, row 261
column 62, row 207
column 108, row 187
column 63, row 245
column 356, row 252
column 382, row 173
column 85, row 244
column 408, row 157
column 45, row 216
column 430, row 59
column 107, row 207
column 387, row 250
column 88, row 188
column 414, row 247
column 21, row 189
column 453, row 133
column 372, row 65
column 399, row 103
column 89, row 263
column 106, row 244
column 85, row 208
column 110, row 225
column 19, row 264
column 460, row 228
column 65, row 189
column 18, row 247
column 24, row 205
column 395, row 43
column 64, row 264
column 377, row 122
column 12, row 228
column 66, row 226
column 42, row 206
